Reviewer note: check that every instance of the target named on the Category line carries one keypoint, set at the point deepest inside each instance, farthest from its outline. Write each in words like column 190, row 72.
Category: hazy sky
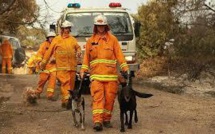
column 56, row 6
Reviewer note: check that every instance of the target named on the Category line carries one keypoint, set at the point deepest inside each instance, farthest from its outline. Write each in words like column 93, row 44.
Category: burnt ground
column 165, row 112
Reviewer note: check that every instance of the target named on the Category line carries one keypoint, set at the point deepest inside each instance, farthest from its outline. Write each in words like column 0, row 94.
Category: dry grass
column 152, row 67
column 159, row 66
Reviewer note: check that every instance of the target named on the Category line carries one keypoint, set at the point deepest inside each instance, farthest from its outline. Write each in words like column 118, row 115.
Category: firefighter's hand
column 83, row 74
column 79, row 54
column 125, row 74
column 42, row 65
column 52, row 60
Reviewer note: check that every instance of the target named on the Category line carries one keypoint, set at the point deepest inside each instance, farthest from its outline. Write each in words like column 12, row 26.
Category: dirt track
column 163, row 113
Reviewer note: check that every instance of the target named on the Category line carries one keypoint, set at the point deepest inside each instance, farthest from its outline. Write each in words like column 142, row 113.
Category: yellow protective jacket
column 64, row 50
column 6, row 49
column 32, row 61
column 50, row 67
column 101, row 57
column 32, row 64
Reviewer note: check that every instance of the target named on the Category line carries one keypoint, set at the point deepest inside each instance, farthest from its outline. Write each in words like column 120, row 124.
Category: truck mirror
column 137, row 29
column 52, row 27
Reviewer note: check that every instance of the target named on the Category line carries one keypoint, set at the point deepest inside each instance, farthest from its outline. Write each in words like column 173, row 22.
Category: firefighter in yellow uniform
column 65, row 49
column 101, row 56
column 49, row 72
column 7, row 56
column 32, row 64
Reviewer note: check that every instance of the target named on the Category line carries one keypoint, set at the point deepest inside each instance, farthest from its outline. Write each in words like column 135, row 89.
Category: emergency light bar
column 112, row 4
column 73, row 5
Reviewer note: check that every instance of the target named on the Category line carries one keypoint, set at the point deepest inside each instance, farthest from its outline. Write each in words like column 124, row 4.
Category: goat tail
column 135, row 116
column 142, row 95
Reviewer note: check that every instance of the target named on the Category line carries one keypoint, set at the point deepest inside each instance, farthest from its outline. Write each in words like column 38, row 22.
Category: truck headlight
column 130, row 59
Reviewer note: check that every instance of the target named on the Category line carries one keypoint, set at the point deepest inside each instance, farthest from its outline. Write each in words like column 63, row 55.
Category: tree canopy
column 190, row 23
column 15, row 13
column 18, row 18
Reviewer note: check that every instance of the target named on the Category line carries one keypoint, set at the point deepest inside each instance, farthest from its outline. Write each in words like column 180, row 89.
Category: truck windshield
column 119, row 23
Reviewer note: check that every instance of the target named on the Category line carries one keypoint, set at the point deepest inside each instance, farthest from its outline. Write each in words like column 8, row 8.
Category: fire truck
column 120, row 21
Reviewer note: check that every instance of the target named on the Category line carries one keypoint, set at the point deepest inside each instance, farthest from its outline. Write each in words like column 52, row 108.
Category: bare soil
column 165, row 112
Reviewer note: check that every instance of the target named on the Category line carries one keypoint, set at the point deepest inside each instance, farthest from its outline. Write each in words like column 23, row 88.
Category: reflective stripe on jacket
column 101, row 57
column 64, row 50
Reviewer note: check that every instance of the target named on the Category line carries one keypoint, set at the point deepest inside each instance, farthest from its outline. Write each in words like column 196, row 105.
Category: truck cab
column 119, row 20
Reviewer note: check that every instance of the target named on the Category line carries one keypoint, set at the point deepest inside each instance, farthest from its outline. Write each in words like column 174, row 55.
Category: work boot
column 107, row 124
column 98, row 126
column 51, row 98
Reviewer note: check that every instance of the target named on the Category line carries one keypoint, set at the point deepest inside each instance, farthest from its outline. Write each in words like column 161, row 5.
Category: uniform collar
column 104, row 37
column 65, row 36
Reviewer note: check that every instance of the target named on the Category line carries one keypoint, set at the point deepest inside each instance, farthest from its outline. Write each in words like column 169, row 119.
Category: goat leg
column 82, row 121
column 122, row 121
column 130, row 120
column 83, row 115
column 126, row 118
column 74, row 119
column 135, row 116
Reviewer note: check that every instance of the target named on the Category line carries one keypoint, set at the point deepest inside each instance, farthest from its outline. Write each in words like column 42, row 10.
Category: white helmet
column 66, row 24
column 51, row 34
column 100, row 20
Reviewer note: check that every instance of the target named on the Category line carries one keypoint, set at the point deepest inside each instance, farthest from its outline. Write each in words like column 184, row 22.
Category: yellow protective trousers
column 104, row 94
column 67, row 80
column 6, row 62
column 43, row 78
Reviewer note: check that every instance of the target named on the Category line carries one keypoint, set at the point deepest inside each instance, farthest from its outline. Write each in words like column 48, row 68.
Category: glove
column 126, row 74
column 122, row 80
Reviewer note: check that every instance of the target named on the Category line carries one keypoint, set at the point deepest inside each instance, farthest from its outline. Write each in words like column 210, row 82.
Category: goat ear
column 123, row 84
column 133, row 89
column 70, row 91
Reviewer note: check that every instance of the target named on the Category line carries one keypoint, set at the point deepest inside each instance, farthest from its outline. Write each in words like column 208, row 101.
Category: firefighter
column 49, row 72
column 7, row 56
column 32, row 64
column 101, row 56
column 65, row 49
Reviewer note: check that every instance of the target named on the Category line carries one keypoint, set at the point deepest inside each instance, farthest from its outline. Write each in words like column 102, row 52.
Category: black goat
column 77, row 103
column 127, row 102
